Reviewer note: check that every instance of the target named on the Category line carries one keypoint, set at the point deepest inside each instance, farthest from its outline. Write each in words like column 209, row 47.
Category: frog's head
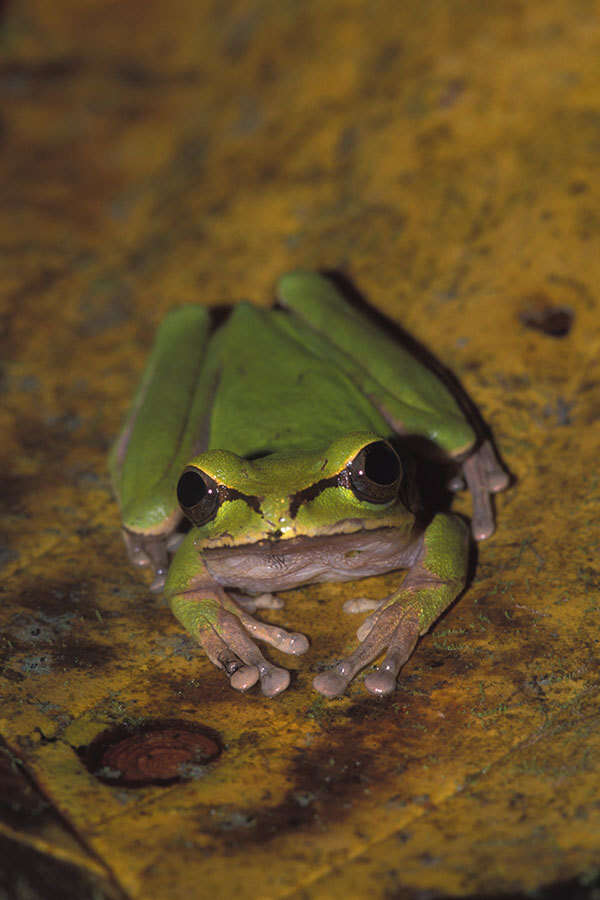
column 352, row 485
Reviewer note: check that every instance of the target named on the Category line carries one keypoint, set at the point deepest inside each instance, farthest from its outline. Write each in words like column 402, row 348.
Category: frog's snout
column 277, row 527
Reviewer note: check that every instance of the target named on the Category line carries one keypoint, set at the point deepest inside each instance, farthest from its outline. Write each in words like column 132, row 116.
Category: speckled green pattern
column 195, row 615
column 269, row 381
column 409, row 395
column 276, row 394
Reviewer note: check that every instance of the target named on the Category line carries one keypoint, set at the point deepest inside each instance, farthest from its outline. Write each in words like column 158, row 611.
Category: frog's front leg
column 436, row 578
column 225, row 631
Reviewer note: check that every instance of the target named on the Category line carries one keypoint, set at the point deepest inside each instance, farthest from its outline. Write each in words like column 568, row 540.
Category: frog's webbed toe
column 497, row 478
column 332, row 683
column 158, row 582
column 456, row 484
column 244, row 678
column 395, row 628
column 262, row 601
column 287, row 641
column 360, row 605
column 484, row 476
column 402, row 644
column 241, row 676
column 149, row 550
column 273, row 679
column 175, row 540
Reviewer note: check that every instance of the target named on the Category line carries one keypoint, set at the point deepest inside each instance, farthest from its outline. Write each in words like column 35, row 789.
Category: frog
column 279, row 435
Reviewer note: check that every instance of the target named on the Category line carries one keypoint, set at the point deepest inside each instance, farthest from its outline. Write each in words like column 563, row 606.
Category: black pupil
column 381, row 465
column 191, row 489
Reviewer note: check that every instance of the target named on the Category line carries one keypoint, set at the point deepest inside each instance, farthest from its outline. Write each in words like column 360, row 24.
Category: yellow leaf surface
column 444, row 157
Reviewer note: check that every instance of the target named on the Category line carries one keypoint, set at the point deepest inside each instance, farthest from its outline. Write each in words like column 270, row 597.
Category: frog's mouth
column 271, row 565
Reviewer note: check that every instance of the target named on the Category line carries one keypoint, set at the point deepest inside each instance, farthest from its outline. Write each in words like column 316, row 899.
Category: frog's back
column 274, row 394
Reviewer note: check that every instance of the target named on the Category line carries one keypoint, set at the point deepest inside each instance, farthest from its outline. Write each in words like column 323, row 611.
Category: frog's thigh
column 430, row 586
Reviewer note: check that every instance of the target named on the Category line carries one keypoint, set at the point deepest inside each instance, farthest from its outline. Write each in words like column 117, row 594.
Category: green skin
column 275, row 406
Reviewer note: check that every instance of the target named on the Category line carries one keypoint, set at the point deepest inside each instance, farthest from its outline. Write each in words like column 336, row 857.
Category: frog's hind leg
column 431, row 585
column 165, row 427
column 410, row 395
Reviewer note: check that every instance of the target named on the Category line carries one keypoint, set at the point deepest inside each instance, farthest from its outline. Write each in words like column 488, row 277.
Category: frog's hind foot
column 361, row 604
column 148, row 550
column 262, row 601
column 484, row 476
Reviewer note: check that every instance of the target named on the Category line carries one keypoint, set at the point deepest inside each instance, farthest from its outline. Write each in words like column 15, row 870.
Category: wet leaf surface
column 443, row 160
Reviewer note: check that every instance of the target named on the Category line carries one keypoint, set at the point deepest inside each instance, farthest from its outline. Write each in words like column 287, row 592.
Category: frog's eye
column 375, row 473
column 198, row 496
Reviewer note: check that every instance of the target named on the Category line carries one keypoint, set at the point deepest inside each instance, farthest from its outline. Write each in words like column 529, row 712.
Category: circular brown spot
column 160, row 751
column 555, row 321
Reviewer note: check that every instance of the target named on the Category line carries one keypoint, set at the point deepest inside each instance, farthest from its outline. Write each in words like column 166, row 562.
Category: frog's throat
column 272, row 565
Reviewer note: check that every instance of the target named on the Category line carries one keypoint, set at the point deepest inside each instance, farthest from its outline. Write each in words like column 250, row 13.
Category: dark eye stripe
column 309, row 493
column 250, row 499
column 200, row 496
column 381, row 493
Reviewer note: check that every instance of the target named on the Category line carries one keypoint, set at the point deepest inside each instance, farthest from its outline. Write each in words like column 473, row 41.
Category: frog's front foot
column 395, row 628
column 225, row 631
column 432, row 583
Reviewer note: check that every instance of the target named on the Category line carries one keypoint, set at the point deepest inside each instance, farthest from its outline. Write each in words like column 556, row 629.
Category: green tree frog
column 278, row 434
